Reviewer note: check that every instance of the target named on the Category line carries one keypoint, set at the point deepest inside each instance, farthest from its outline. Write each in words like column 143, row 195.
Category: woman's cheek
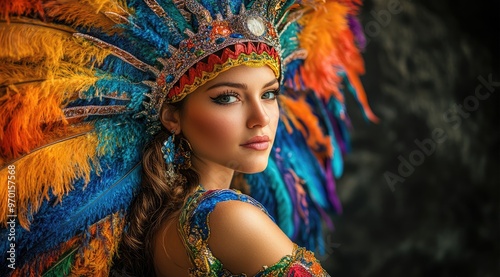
column 212, row 128
column 274, row 114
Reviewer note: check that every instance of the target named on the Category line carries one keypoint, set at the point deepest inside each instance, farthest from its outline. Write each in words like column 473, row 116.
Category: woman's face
column 231, row 120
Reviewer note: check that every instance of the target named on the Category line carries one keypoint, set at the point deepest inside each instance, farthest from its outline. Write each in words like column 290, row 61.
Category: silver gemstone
column 256, row 26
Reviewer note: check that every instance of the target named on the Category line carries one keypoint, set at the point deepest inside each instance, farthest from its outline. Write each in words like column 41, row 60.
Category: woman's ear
column 170, row 118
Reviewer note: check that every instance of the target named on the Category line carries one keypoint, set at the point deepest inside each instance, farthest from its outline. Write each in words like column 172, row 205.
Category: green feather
column 63, row 266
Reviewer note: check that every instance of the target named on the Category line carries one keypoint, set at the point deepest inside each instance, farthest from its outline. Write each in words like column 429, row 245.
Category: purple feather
column 290, row 184
column 357, row 30
column 330, row 187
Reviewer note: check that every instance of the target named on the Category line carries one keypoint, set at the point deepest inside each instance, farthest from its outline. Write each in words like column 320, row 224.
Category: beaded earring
column 182, row 158
column 168, row 149
column 176, row 157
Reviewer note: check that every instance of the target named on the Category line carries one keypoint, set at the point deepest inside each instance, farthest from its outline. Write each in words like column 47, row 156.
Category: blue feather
column 268, row 183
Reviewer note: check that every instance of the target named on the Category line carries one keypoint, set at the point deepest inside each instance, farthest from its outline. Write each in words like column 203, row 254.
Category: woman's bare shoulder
column 244, row 238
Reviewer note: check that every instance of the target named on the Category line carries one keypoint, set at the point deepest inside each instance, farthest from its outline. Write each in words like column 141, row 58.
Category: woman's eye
column 271, row 95
column 225, row 99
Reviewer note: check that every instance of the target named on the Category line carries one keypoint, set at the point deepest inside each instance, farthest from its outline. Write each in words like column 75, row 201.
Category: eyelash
column 225, row 93
column 276, row 92
column 216, row 99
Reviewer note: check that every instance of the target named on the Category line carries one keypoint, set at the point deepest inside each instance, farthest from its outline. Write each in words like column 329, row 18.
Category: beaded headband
column 249, row 54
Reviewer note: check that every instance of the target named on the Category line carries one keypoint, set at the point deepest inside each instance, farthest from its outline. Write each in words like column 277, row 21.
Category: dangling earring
column 176, row 159
column 182, row 158
column 168, row 149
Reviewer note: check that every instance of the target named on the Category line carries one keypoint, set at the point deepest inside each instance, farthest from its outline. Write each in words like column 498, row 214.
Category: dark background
column 442, row 217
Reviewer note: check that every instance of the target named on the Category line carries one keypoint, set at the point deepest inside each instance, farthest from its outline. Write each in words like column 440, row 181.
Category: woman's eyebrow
column 272, row 82
column 228, row 84
column 239, row 85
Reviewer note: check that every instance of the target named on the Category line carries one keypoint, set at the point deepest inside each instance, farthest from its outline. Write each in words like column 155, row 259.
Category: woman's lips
column 257, row 143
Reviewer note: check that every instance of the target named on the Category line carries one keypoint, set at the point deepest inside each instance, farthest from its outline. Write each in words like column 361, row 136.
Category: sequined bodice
column 195, row 232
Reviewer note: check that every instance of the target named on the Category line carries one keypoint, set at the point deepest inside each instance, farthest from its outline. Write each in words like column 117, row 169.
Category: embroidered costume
column 195, row 231
column 81, row 86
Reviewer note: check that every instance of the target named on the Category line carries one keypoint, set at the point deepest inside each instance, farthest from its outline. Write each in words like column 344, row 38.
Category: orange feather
column 52, row 168
column 20, row 7
column 299, row 114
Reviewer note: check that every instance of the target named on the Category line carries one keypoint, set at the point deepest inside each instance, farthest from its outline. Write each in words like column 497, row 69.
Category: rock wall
column 421, row 188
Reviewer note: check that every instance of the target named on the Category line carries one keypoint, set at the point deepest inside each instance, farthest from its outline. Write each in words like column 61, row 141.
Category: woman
column 164, row 102
column 230, row 123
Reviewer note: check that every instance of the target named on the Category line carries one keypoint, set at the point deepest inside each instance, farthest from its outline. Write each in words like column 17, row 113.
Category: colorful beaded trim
column 248, row 54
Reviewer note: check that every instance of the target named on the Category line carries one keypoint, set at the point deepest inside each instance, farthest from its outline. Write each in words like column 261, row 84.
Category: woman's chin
column 252, row 168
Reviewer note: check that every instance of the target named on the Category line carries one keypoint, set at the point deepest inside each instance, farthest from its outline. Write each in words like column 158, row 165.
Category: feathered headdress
column 81, row 84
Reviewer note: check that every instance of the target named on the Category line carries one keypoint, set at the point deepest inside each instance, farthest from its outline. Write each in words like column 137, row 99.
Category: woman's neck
column 212, row 175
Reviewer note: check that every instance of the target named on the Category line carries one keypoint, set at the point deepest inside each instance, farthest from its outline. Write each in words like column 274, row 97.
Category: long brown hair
column 156, row 200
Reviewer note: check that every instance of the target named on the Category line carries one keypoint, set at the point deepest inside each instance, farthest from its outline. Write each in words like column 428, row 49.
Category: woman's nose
column 257, row 115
